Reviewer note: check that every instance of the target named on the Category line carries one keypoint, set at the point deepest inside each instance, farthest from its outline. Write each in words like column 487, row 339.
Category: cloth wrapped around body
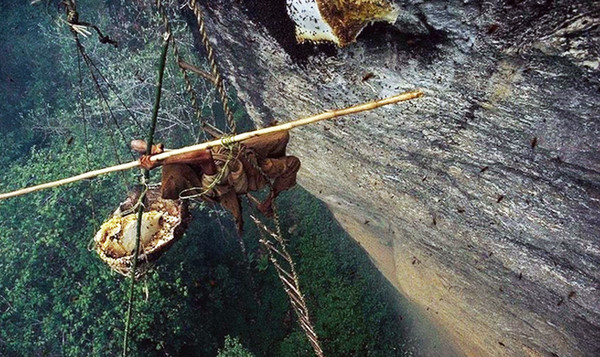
column 219, row 175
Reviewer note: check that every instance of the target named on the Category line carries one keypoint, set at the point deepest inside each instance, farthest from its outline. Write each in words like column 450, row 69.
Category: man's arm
column 202, row 158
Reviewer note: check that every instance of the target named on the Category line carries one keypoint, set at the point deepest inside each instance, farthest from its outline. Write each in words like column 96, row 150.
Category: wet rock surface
column 480, row 201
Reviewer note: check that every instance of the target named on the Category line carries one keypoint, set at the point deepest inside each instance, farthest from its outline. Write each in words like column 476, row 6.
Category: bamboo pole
column 161, row 72
column 240, row 137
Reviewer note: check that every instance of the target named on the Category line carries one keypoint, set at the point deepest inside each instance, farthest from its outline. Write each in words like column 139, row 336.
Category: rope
column 79, row 27
column 289, row 278
column 88, row 61
column 213, row 65
column 114, row 90
column 75, row 27
column 228, row 142
column 214, row 183
column 72, row 20
column 187, row 82
column 90, row 185
column 292, row 288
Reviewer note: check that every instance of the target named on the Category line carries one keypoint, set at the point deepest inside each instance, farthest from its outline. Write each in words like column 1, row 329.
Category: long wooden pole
column 161, row 72
column 240, row 137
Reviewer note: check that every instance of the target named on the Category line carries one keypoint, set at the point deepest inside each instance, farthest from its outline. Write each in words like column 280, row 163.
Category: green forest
column 63, row 113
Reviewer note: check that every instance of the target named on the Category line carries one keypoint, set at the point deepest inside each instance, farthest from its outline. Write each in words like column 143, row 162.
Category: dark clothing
column 237, row 173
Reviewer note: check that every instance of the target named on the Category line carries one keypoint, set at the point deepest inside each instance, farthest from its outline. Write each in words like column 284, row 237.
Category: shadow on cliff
column 424, row 47
column 272, row 15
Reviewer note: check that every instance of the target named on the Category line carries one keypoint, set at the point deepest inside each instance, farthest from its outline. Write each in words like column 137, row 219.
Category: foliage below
column 55, row 289
column 233, row 348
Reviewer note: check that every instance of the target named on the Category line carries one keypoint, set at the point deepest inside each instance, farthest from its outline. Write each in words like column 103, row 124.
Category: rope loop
column 228, row 142
column 220, row 87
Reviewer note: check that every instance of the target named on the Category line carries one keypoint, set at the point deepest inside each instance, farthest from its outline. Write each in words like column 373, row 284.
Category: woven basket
column 163, row 223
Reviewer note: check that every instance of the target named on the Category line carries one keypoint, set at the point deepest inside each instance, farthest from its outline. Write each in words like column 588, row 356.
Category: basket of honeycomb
column 163, row 223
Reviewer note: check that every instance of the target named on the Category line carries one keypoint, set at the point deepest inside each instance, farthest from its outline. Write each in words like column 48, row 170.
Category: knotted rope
column 218, row 80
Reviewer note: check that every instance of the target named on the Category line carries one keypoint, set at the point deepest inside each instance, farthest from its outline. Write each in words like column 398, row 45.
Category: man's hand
column 140, row 146
column 148, row 164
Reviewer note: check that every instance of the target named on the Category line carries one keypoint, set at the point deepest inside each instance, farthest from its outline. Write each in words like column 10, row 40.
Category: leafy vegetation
column 203, row 297
column 233, row 348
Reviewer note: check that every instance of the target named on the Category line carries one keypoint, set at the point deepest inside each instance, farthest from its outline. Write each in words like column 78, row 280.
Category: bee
column 368, row 76
column 534, row 142
column 492, row 28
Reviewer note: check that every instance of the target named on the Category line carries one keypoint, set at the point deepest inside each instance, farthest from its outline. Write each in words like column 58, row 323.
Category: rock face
column 481, row 201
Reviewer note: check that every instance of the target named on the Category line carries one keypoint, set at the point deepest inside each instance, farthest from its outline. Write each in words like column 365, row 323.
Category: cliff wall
column 478, row 202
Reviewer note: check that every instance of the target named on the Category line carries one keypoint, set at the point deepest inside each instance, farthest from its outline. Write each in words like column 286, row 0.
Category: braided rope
column 213, row 65
column 214, row 183
column 227, row 141
column 289, row 280
column 289, row 276
column 186, row 78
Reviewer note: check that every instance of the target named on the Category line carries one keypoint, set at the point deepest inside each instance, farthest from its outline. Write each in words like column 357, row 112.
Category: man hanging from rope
column 223, row 173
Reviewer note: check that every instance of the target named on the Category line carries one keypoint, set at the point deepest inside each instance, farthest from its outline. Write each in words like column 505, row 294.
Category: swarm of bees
column 338, row 21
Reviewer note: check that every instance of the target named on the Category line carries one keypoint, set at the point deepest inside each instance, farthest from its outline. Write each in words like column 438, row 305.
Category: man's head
column 140, row 147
